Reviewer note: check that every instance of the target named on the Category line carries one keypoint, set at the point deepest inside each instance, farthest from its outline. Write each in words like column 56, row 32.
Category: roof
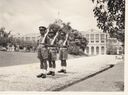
column 31, row 35
column 92, row 31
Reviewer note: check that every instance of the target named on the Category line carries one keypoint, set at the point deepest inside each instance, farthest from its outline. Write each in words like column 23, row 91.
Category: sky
column 25, row 16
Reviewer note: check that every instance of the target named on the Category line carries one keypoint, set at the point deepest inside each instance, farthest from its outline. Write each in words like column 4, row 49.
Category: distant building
column 28, row 37
column 101, row 43
column 114, row 46
column 96, row 42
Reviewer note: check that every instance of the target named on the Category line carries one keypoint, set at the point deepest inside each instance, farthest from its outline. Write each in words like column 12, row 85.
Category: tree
column 4, row 37
column 110, row 16
column 77, row 41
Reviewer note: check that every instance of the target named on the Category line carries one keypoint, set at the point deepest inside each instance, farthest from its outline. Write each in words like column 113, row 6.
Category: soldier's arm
column 37, row 42
column 67, row 44
column 47, row 41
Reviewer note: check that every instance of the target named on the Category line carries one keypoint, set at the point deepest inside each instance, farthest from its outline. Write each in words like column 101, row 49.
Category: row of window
column 96, row 37
column 28, row 38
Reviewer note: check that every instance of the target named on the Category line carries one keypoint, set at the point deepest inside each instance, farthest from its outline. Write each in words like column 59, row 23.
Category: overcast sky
column 24, row 16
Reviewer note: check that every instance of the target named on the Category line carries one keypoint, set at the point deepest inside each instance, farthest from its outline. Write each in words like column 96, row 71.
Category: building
column 114, row 46
column 28, row 37
column 96, row 42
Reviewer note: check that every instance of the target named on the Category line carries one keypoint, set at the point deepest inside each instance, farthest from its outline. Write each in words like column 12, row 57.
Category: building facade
column 28, row 37
column 96, row 42
column 114, row 46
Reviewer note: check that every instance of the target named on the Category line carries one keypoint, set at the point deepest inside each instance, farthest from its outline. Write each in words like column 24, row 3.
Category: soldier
column 42, row 51
column 52, row 52
column 63, row 51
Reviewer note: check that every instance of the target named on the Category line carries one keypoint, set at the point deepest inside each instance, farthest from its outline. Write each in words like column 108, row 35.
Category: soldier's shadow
column 61, row 75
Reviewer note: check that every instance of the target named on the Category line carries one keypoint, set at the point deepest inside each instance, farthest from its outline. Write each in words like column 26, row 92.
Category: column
column 99, row 50
column 117, row 49
column 105, row 50
column 95, row 50
column 89, row 50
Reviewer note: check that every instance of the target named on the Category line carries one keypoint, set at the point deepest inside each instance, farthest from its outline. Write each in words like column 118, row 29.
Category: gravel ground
column 23, row 77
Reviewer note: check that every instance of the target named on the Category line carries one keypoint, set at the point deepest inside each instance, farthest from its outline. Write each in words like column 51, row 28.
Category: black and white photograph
column 62, row 46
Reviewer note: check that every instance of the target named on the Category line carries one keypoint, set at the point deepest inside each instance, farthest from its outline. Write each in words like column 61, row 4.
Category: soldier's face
column 42, row 31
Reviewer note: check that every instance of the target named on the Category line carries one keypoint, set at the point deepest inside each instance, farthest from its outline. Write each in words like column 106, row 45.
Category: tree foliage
column 77, row 42
column 110, row 15
column 4, row 37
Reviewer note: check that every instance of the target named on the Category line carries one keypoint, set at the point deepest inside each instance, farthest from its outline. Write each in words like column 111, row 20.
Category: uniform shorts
column 63, row 53
column 42, row 53
column 52, row 54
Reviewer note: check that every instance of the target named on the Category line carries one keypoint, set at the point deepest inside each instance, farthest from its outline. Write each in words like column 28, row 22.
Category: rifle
column 66, row 39
column 54, row 38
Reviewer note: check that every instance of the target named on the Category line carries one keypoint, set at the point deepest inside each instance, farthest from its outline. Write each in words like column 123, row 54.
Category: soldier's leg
column 54, row 57
column 41, row 63
column 44, row 67
column 44, row 61
column 50, row 67
column 50, row 64
column 54, row 64
column 63, row 65
column 53, row 68
column 45, row 64
column 61, row 70
column 41, row 67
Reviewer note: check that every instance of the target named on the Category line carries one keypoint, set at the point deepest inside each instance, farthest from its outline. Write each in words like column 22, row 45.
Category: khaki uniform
column 52, row 56
column 63, row 55
column 63, row 52
column 52, row 50
column 42, row 53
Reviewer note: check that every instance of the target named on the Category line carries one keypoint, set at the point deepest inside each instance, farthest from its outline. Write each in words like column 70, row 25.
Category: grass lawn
column 19, row 58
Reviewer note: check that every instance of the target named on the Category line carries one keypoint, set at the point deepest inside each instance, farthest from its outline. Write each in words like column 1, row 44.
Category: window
column 92, row 50
column 87, row 50
column 97, row 38
column 97, row 50
column 102, row 50
column 92, row 38
column 102, row 38
column 27, row 38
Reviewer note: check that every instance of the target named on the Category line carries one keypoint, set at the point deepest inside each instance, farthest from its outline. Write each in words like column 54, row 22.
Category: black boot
column 53, row 73
column 61, row 71
column 40, row 75
column 64, row 71
column 43, row 76
column 49, row 73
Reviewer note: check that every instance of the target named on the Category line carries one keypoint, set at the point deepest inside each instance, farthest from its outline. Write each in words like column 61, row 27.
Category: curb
column 79, row 80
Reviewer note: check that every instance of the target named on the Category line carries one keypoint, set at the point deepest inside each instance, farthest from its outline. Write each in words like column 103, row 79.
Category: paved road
column 110, row 80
